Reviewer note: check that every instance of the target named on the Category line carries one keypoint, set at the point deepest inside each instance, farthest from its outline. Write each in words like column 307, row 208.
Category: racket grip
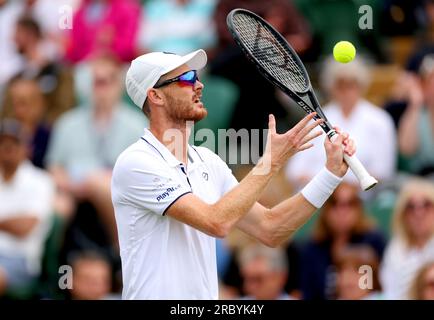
column 365, row 179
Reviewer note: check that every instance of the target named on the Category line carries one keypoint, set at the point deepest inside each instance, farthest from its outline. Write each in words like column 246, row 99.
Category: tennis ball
column 344, row 51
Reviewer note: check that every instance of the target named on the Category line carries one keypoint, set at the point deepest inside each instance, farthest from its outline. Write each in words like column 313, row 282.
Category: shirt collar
column 153, row 142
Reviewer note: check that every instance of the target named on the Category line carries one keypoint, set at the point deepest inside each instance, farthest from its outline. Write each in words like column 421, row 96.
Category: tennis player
column 172, row 199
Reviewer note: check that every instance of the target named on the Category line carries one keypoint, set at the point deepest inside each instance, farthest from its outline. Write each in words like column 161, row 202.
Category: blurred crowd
column 65, row 117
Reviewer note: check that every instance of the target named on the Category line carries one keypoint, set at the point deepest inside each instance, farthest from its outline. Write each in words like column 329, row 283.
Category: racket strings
column 270, row 52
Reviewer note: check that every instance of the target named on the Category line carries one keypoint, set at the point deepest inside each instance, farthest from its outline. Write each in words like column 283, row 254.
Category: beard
column 184, row 110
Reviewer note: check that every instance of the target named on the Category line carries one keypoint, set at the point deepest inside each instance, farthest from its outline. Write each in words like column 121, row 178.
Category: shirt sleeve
column 147, row 183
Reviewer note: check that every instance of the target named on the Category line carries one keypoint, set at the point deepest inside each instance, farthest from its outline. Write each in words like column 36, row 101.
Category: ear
column 155, row 96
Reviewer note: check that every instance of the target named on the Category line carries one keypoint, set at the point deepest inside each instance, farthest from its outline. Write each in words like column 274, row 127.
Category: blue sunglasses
column 189, row 77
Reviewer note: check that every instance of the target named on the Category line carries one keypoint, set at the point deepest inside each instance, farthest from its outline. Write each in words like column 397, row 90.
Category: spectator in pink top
column 104, row 26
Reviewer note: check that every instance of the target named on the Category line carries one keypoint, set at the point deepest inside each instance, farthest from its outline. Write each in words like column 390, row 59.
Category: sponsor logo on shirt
column 167, row 192
column 205, row 175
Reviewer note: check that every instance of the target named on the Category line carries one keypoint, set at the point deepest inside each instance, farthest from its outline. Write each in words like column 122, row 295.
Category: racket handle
column 365, row 179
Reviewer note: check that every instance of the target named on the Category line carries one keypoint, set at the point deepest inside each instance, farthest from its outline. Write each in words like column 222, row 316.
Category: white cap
column 145, row 71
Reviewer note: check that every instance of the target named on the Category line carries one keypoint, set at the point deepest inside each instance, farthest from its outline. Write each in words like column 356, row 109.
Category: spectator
column 178, row 26
column 342, row 222
column 416, row 143
column 104, row 26
column 264, row 271
column 26, row 195
column 85, row 144
column 412, row 242
column 423, row 285
column 354, row 282
column 54, row 80
column 92, row 276
column 345, row 84
column 27, row 105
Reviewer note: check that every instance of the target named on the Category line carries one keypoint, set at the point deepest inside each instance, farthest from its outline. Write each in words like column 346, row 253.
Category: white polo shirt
column 163, row 258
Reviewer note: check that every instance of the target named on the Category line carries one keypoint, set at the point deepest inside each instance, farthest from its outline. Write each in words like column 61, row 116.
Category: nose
column 198, row 85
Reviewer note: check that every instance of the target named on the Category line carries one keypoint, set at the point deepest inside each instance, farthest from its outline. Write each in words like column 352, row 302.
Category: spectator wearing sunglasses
column 172, row 199
column 342, row 223
column 412, row 242
column 423, row 285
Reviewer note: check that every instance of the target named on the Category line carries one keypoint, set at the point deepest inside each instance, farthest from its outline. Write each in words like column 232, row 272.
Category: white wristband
column 320, row 188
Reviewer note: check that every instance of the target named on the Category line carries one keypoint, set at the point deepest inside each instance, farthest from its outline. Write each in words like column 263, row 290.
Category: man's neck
column 174, row 136
column 8, row 173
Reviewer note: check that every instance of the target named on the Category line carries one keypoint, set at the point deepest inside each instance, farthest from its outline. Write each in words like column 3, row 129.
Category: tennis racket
column 277, row 61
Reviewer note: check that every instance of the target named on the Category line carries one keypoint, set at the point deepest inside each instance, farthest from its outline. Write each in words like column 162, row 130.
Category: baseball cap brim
column 195, row 60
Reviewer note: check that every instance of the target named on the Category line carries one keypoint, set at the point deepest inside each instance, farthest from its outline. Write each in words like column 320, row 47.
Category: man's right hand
column 280, row 147
column 335, row 152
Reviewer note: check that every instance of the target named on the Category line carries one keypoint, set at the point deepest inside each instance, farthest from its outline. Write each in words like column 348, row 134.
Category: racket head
column 269, row 51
